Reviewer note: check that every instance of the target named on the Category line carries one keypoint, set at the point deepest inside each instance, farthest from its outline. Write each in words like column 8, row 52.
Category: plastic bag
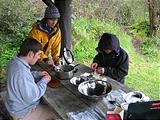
column 93, row 113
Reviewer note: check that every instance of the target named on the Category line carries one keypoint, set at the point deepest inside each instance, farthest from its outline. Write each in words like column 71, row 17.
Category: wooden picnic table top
column 66, row 98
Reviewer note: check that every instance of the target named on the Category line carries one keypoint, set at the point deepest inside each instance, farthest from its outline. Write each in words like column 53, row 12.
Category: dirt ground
column 137, row 44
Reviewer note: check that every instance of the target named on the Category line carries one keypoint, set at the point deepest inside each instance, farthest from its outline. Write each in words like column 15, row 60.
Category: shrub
column 125, row 12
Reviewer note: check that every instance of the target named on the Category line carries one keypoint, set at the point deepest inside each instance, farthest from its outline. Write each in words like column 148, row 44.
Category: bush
column 151, row 47
column 140, row 29
column 16, row 19
column 125, row 12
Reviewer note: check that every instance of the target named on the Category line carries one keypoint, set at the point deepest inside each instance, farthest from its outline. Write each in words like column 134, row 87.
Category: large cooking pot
column 65, row 71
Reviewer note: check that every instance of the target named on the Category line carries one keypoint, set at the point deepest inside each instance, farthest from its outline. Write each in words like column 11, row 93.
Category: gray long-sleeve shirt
column 23, row 93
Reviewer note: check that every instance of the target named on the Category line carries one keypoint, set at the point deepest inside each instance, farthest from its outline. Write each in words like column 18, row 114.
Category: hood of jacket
column 39, row 26
column 108, row 41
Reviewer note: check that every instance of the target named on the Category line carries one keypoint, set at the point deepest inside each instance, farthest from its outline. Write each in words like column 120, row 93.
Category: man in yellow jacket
column 48, row 33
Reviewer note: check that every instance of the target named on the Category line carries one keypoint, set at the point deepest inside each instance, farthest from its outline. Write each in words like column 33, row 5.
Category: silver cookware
column 65, row 71
column 95, row 88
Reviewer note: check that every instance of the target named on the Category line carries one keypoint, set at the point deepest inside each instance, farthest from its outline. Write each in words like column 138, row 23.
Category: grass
column 143, row 75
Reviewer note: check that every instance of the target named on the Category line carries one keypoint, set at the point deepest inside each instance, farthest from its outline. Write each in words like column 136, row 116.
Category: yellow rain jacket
column 53, row 40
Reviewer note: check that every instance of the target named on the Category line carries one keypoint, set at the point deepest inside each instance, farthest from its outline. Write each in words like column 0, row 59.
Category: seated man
column 111, row 59
column 23, row 94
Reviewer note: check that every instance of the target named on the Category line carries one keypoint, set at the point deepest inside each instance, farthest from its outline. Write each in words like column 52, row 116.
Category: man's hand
column 100, row 70
column 50, row 62
column 94, row 66
column 43, row 73
column 48, row 78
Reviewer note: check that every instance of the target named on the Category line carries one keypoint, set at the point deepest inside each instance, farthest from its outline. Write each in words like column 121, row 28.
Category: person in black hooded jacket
column 111, row 60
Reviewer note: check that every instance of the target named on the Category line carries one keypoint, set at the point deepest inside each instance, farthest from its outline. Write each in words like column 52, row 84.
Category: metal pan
column 65, row 71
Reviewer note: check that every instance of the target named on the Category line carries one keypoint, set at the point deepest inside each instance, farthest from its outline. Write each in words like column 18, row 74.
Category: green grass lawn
column 145, row 77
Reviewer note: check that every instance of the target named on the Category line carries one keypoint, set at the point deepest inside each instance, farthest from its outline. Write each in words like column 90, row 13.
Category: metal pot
column 65, row 71
column 95, row 88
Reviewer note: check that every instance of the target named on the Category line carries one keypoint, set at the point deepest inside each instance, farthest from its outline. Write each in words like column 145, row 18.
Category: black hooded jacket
column 116, row 64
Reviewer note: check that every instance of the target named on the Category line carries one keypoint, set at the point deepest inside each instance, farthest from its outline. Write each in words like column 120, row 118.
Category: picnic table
column 67, row 98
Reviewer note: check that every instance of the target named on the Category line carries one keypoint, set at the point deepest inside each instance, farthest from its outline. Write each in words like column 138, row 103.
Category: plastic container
column 111, row 115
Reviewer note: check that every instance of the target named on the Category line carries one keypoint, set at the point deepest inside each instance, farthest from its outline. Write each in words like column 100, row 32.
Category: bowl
column 77, row 80
column 94, row 88
column 136, row 96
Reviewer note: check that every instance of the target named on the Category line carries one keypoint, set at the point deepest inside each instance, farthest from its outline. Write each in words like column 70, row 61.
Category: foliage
column 140, row 29
column 16, row 19
column 125, row 12
column 16, row 22
column 150, row 46
column 81, row 43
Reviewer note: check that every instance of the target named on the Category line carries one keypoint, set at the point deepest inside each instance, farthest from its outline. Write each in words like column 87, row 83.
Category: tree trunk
column 151, row 17
column 64, row 7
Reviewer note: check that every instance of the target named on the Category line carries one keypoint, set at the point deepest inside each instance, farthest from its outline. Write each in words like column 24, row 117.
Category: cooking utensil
column 65, row 71
column 94, row 88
